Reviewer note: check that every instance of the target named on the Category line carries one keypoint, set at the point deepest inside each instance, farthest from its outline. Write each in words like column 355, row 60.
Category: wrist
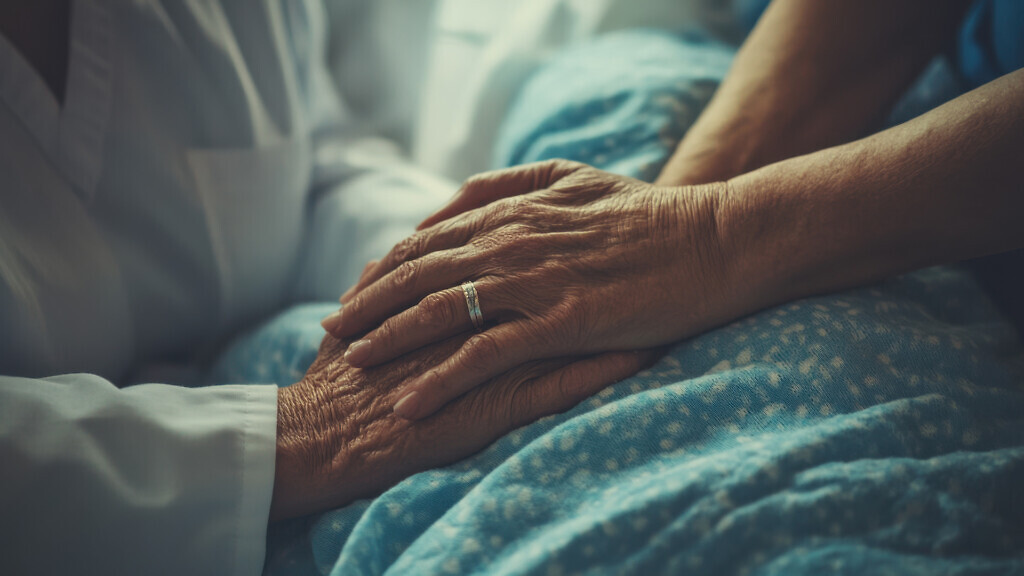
column 707, row 259
column 800, row 228
column 321, row 455
column 758, row 230
column 304, row 474
column 289, row 462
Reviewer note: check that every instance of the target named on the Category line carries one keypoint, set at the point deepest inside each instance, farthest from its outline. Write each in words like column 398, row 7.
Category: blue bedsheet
column 877, row 431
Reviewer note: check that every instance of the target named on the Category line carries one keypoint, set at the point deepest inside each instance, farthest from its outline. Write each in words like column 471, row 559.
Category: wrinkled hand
column 566, row 259
column 339, row 440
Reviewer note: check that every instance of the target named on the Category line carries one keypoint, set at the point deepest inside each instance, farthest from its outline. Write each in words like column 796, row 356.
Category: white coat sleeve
column 370, row 199
column 150, row 479
column 366, row 194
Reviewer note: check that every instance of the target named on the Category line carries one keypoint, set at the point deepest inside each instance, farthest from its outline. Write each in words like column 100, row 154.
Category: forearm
column 811, row 75
column 121, row 481
column 941, row 188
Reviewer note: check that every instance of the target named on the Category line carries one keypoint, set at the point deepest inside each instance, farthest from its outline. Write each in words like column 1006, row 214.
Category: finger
column 566, row 387
column 482, row 357
column 369, row 267
column 523, row 395
column 436, row 317
column 366, row 271
column 485, row 188
column 401, row 288
column 451, row 235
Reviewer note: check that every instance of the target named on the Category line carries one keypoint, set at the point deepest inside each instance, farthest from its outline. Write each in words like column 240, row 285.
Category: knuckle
column 474, row 183
column 549, row 169
column 567, row 324
column 503, row 211
column 405, row 275
column 437, row 310
column 568, row 307
column 517, row 231
column 385, row 333
column 515, row 207
column 480, row 352
column 486, row 242
column 560, row 167
column 408, row 249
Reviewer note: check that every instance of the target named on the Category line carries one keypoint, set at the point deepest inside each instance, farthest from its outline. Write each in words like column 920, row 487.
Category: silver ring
column 473, row 303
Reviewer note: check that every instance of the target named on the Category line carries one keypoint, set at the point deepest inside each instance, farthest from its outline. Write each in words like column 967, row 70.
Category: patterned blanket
column 876, row 431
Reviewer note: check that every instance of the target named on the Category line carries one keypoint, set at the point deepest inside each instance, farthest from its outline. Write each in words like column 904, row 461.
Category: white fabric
column 200, row 174
column 141, row 480
column 378, row 56
column 437, row 76
column 481, row 51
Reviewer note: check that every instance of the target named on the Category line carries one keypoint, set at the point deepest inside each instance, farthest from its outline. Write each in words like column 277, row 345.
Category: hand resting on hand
column 339, row 440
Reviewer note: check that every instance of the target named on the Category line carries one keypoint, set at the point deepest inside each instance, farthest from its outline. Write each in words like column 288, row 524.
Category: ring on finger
column 473, row 303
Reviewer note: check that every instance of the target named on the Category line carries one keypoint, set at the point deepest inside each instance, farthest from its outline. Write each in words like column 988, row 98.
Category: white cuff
column 258, row 457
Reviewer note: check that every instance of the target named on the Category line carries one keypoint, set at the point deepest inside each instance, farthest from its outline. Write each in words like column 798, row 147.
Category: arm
column 943, row 187
column 162, row 479
column 811, row 75
column 595, row 262
column 142, row 480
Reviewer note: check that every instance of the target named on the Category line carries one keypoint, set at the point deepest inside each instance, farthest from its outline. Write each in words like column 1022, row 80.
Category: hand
column 338, row 439
column 566, row 259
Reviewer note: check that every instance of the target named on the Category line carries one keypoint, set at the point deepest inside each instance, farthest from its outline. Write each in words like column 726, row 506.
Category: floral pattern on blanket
column 876, row 431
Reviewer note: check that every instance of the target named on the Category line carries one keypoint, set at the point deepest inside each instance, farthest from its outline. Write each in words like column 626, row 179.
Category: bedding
column 874, row 431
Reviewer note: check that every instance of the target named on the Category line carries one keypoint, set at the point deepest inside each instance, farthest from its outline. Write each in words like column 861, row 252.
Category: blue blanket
column 876, row 431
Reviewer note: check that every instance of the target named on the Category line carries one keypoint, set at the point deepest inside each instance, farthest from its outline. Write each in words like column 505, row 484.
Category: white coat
column 199, row 175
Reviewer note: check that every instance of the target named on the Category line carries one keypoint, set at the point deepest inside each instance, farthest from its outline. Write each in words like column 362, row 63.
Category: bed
column 875, row 431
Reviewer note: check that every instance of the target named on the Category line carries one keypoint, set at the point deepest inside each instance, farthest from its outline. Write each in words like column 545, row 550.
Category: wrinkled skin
column 567, row 259
column 339, row 440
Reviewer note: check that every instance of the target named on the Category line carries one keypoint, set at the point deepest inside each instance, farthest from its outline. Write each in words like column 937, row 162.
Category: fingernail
column 330, row 323
column 407, row 406
column 358, row 352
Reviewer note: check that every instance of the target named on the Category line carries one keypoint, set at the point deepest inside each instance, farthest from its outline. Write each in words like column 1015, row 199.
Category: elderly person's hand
column 565, row 258
column 338, row 439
